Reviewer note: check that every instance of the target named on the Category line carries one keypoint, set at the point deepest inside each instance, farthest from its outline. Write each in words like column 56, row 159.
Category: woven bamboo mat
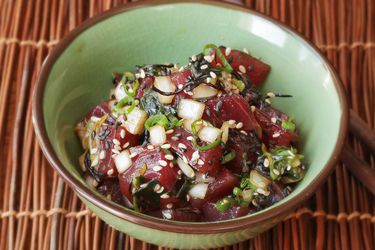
column 38, row 211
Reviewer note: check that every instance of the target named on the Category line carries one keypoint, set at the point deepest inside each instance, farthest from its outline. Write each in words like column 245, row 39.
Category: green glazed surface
column 81, row 78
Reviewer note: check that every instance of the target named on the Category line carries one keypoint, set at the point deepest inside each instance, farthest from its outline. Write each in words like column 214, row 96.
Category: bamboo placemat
column 38, row 211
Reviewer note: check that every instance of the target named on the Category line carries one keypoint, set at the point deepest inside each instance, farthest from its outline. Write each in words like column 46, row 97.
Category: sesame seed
column 181, row 145
column 164, row 196
column 163, row 163
column 273, row 119
column 187, row 197
column 195, row 156
column 142, row 73
column 94, row 150
column 213, row 75
column 185, row 159
column 200, row 162
column 242, row 69
column 171, row 165
column 231, row 122
column 180, row 86
column 117, row 147
column 193, row 58
column 160, row 190
column 170, row 131
column 102, row 155
column 156, row 168
column 239, row 125
column 122, row 133
column 95, row 162
column 169, row 157
column 275, row 135
column 143, row 185
column 157, row 187
column 243, row 132
column 288, row 168
column 208, row 58
column 227, row 51
column 266, row 163
column 126, row 145
column 270, row 94
column 150, row 147
column 115, row 151
column 110, row 172
column 204, row 66
column 268, row 101
column 169, row 205
column 166, row 146
column 95, row 119
column 179, row 172
column 252, row 107
column 116, row 142
column 189, row 138
column 254, row 202
column 276, row 172
column 132, row 155
column 208, row 79
column 189, row 93
column 175, row 138
column 245, row 50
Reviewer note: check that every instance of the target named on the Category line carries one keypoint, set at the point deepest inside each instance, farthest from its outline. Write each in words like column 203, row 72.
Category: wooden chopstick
column 359, row 168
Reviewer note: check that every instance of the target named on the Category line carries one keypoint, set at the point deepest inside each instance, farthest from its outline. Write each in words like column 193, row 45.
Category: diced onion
column 185, row 168
column 187, row 125
column 199, row 191
column 122, row 161
column 135, row 121
column 209, row 134
column 247, row 194
column 259, row 180
column 157, row 135
column 164, row 84
column 190, row 109
column 119, row 92
column 204, row 91
column 225, row 130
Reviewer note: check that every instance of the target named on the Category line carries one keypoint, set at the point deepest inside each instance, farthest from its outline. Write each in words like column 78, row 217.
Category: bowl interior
column 81, row 76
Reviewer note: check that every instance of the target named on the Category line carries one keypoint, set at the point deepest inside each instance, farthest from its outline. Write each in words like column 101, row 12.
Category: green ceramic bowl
column 77, row 75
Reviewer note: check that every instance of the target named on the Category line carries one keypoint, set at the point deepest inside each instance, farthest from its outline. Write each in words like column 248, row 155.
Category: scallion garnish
column 289, row 125
column 239, row 84
column 228, row 157
column 224, row 204
column 194, row 126
column 226, row 65
column 208, row 146
column 158, row 119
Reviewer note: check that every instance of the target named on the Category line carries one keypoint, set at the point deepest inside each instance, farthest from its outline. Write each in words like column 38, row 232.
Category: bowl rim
column 167, row 225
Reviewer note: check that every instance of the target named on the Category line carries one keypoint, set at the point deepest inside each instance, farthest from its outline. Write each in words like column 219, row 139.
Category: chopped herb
column 224, row 204
column 157, row 119
column 208, row 146
column 289, row 125
column 239, row 84
column 228, row 157
column 226, row 65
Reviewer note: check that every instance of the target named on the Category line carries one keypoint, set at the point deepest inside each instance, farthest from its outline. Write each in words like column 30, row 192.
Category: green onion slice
column 208, row 146
column 158, row 119
column 228, row 157
column 226, row 65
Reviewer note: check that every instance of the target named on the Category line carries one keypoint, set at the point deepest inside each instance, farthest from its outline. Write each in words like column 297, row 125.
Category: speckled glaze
column 77, row 75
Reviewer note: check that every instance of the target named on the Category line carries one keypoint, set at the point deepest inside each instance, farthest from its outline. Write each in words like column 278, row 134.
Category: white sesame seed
column 185, row 159
column 157, row 168
column 271, row 94
column 142, row 73
column 102, row 155
column 189, row 138
column 227, row 51
column 268, row 101
column 252, row 107
column 208, row 79
column 187, row 197
column 276, row 172
column 245, row 50
column 190, row 93
column 169, row 205
column 110, row 172
column 122, row 133
column 171, row 165
column 94, row 150
column 193, row 58
column 200, row 162
column 266, row 163
column 157, row 187
column 275, row 135
column 95, row 119
column 195, row 156
column 132, row 155
column 161, row 189
column 243, row 132
column 239, row 125
column 170, row 131
column 126, row 145
column 114, row 150
column 181, row 145
column 163, row 163
column 180, row 86
column 166, row 146
column 231, row 122
column 288, row 168
column 213, row 75
column 179, row 172
column 169, row 157
column 242, row 69
column 150, row 147
column 204, row 66
column 208, row 58
column 116, row 142
column 175, row 138
column 117, row 147
column 95, row 162
column 164, row 196
column 273, row 119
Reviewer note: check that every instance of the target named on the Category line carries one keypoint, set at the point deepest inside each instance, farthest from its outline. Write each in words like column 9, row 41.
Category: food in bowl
column 192, row 143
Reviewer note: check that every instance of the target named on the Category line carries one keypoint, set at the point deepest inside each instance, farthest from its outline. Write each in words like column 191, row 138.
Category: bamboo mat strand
column 39, row 211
